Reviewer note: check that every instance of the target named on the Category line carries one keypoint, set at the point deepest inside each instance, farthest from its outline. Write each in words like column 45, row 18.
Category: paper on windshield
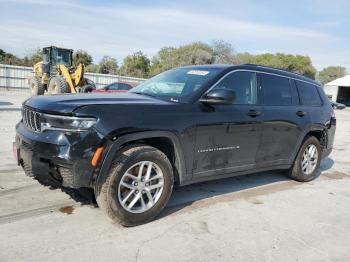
column 198, row 72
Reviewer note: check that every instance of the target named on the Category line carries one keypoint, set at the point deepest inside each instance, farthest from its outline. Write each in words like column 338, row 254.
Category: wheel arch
column 318, row 131
column 165, row 141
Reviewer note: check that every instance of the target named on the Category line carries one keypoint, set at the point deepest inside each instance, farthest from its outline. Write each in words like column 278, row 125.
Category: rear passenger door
column 282, row 126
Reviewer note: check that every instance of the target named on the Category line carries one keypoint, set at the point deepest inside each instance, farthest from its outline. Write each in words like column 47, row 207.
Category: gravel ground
column 259, row 217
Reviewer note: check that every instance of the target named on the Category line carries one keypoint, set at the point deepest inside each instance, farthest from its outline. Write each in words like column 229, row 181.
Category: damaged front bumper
column 57, row 156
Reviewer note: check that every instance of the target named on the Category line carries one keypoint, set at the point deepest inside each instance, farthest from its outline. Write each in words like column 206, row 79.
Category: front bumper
column 64, row 157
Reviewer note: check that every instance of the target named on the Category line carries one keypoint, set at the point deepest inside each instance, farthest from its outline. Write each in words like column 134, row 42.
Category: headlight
column 66, row 123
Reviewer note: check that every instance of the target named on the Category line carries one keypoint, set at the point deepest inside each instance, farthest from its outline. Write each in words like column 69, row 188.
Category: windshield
column 61, row 56
column 177, row 85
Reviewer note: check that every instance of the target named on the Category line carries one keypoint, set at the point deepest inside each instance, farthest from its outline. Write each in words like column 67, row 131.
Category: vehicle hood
column 67, row 103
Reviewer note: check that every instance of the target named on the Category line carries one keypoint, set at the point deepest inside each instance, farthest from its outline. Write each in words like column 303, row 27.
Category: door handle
column 253, row 113
column 301, row 113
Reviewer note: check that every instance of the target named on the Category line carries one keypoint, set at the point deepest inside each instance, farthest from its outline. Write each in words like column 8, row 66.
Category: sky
column 317, row 28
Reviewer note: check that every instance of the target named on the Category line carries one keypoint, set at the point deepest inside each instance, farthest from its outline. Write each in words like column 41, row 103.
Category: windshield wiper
column 145, row 94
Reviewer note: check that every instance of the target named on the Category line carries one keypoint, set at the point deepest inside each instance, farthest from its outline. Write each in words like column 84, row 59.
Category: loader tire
column 36, row 87
column 58, row 85
column 87, row 89
column 90, row 82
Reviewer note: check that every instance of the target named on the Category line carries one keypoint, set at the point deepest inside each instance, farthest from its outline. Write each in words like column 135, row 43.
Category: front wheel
column 307, row 162
column 137, row 187
column 58, row 85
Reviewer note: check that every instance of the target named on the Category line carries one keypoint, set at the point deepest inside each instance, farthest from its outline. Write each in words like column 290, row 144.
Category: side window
column 243, row 84
column 308, row 94
column 114, row 86
column 124, row 86
column 277, row 90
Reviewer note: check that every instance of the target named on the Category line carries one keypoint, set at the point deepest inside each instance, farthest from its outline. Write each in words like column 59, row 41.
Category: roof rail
column 278, row 69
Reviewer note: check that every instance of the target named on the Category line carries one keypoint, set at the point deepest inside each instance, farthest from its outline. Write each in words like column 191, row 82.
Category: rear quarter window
column 308, row 94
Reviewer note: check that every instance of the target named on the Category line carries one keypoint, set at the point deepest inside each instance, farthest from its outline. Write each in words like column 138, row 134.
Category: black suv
column 183, row 126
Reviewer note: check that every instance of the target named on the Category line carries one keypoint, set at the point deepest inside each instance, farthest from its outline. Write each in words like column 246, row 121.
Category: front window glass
column 243, row 84
column 177, row 85
column 60, row 56
column 124, row 86
column 112, row 86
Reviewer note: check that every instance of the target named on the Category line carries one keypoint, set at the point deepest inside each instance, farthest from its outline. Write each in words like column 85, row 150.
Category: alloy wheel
column 141, row 187
column 309, row 160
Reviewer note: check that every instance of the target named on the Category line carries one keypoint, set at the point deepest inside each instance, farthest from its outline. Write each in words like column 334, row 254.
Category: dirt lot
column 260, row 217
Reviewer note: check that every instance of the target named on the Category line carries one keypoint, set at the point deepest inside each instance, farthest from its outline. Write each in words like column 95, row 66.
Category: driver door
column 227, row 138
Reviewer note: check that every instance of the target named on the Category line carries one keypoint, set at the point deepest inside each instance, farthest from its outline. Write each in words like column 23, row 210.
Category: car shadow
column 188, row 195
column 5, row 103
column 326, row 164
column 83, row 195
column 270, row 182
column 267, row 182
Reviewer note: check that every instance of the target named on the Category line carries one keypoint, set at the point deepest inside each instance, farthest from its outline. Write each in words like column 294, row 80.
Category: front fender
column 122, row 140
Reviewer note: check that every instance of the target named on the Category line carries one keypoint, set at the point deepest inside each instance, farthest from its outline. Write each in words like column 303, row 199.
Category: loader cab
column 53, row 56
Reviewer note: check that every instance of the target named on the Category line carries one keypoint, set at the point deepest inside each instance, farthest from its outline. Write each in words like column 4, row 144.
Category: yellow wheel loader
column 56, row 74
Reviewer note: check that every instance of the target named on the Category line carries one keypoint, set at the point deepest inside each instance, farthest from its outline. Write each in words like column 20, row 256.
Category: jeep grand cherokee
column 182, row 126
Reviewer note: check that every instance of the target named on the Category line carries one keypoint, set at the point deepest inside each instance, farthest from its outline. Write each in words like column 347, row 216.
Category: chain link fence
column 18, row 77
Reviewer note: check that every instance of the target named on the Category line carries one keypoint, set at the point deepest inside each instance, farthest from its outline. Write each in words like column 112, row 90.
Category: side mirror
column 218, row 97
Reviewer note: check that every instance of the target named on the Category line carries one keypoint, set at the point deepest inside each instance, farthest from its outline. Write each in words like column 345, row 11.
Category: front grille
column 31, row 119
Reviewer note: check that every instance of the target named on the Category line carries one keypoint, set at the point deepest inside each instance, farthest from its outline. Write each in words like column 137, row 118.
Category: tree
column 196, row 53
column 136, row 65
column 330, row 73
column 83, row 57
column 108, row 65
column 293, row 63
column 224, row 53
column 33, row 58
column 192, row 54
column 92, row 68
column 164, row 60
column 8, row 58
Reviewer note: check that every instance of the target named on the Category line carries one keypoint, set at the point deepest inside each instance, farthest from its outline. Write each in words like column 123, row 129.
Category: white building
column 338, row 90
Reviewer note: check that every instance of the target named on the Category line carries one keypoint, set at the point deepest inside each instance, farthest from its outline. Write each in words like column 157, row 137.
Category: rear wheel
column 137, row 187
column 58, row 85
column 36, row 87
column 307, row 162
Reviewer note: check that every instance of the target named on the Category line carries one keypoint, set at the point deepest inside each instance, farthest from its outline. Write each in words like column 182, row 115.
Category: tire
column 36, row 87
column 58, row 85
column 87, row 89
column 108, row 189
column 90, row 82
column 297, row 172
